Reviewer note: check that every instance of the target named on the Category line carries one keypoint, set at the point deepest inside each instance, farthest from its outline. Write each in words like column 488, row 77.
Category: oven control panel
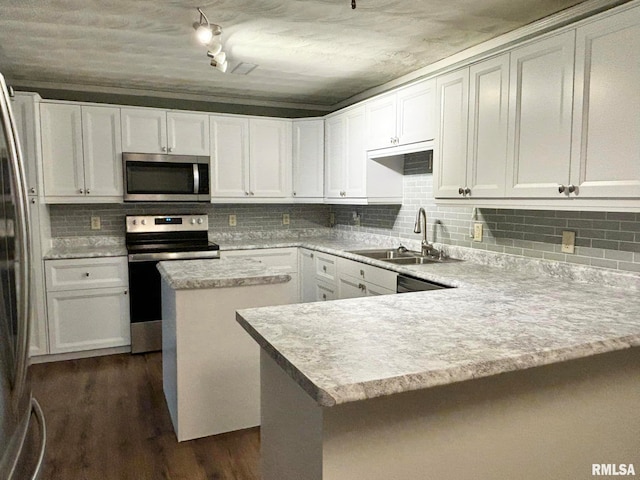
column 167, row 223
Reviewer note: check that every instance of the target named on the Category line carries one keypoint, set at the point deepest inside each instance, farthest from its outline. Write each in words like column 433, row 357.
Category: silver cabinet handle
column 362, row 287
column 88, row 191
column 467, row 191
column 246, row 193
column 461, row 191
column 392, row 140
column 170, row 149
column 561, row 188
column 251, row 193
column 164, row 149
column 324, row 268
column 324, row 296
column 32, row 190
column 294, row 194
column 81, row 191
column 571, row 188
column 362, row 273
column 311, row 255
column 126, row 291
column 33, row 201
column 86, row 274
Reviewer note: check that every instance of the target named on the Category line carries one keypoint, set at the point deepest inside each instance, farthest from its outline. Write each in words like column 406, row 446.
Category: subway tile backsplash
column 603, row 239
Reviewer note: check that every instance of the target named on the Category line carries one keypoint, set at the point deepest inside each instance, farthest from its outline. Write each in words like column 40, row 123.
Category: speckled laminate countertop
column 520, row 314
column 221, row 273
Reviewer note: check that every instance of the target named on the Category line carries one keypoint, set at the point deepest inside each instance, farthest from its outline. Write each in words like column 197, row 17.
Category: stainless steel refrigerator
column 22, row 429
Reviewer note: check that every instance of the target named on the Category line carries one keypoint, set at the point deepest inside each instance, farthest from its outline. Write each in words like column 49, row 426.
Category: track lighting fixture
column 208, row 34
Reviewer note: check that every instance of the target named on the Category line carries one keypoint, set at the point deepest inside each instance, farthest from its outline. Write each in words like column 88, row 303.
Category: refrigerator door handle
column 35, row 406
column 22, row 233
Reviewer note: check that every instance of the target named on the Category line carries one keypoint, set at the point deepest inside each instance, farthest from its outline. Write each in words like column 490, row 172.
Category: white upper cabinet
column 150, row 130
column 250, row 158
column 270, row 158
column 26, row 111
column 62, row 150
column 606, row 134
column 471, row 146
column 102, row 148
column 188, row 133
column 229, row 156
column 308, row 159
column 401, row 118
column 345, row 166
column 450, row 153
column 81, row 153
column 540, row 105
column 144, row 130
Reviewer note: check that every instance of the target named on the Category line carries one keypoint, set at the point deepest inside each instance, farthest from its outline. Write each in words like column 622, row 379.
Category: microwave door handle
column 196, row 178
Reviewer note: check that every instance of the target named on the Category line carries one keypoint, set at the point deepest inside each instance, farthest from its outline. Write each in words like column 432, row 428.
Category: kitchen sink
column 402, row 256
column 386, row 253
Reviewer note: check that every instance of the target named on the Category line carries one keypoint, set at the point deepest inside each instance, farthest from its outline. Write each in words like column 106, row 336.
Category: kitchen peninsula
column 510, row 375
column 210, row 366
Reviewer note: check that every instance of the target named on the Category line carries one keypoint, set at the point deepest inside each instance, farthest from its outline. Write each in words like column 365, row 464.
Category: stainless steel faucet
column 427, row 248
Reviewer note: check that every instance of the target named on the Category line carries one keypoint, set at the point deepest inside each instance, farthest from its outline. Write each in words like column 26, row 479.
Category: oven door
column 151, row 178
column 145, row 306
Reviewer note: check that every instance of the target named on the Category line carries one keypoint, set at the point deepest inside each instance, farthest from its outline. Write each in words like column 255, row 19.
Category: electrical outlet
column 568, row 242
column 232, row 221
column 477, row 232
column 285, row 219
column 95, row 223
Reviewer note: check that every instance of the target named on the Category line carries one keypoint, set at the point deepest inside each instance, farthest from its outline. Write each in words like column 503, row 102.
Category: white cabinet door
column 229, row 156
column 540, row 103
column 62, row 161
column 416, row 113
column 25, row 108
column 102, row 148
column 381, row 122
column 308, row 159
column 325, row 291
column 606, row 136
column 144, row 130
column 307, row 270
column 488, row 127
column 349, row 287
column 355, row 154
column 450, row 152
column 188, row 133
column 88, row 319
column 270, row 158
column 334, row 157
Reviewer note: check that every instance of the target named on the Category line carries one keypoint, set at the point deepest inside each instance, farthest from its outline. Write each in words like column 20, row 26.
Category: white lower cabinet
column 87, row 303
column 357, row 279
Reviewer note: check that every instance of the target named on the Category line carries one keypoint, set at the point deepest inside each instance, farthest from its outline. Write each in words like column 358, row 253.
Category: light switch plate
column 568, row 242
column 285, row 219
column 477, row 232
column 95, row 223
column 232, row 221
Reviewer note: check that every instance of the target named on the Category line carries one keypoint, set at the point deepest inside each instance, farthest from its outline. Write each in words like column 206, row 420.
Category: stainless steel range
column 151, row 239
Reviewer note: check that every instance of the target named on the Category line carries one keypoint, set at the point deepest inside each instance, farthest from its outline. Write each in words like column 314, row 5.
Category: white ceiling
column 310, row 52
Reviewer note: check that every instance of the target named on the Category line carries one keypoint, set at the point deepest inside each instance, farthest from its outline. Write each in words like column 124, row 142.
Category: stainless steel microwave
column 165, row 178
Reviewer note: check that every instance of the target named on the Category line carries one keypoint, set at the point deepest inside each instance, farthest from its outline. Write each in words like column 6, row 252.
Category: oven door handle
column 158, row 257
column 196, row 178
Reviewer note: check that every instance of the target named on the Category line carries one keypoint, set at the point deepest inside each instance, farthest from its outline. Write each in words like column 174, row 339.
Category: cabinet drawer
column 282, row 259
column 325, row 291
column 86, row 273
column 326, row 267
column 368, row 273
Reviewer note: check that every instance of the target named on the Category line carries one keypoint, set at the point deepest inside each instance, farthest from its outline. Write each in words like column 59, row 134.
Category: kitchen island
column 510, row 375
column 210, row 368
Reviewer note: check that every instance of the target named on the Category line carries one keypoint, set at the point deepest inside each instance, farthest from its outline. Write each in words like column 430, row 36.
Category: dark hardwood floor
column 107, row 419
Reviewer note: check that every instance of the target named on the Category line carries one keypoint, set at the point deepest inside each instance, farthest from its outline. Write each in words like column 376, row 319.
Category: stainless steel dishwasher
column 407, row 284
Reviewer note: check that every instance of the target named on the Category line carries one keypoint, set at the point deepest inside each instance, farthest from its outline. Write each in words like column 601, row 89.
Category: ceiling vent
column 244, row 68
